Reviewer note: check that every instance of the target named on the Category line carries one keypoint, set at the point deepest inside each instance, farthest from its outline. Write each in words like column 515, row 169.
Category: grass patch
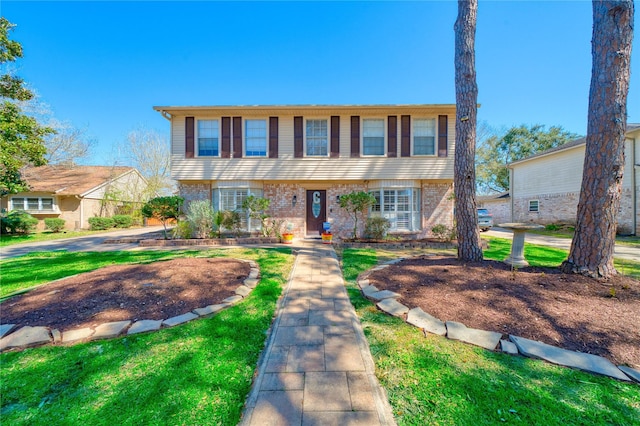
column 499, row 249
column 631, row 241
column 433, row 380
column 196, row 373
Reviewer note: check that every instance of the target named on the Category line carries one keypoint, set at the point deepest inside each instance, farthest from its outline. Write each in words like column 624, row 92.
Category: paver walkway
column 316, row 368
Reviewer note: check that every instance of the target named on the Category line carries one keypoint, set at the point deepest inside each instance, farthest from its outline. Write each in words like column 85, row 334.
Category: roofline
column 173, row 109
column 107, row 182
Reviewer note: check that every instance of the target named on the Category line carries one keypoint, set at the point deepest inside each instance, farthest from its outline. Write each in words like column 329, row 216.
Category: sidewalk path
column 316, row 368
column 620, row 252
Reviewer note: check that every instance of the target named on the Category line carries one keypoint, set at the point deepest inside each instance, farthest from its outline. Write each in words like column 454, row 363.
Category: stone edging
column 208, row 241
column 13, row 336
column 397, row 245
column 386, row 301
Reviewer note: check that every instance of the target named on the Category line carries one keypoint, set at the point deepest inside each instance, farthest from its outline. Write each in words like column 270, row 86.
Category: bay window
column 401, row 206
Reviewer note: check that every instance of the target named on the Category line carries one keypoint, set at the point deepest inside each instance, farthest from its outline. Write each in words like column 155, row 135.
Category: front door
column 316, row 211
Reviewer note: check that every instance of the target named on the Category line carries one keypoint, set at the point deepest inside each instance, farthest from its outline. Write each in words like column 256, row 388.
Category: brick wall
column 193, row 192
column 500, row 209
column 437, row 206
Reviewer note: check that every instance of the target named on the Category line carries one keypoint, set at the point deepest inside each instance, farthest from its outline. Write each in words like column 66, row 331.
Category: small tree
column 355, row 203
column 163, row 209
column 201, row 217
column 257, row 208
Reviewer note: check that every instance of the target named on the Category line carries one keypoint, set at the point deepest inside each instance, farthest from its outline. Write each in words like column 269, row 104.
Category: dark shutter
column 189, row 133
column 298, row 143
column 405, row 135
column 442, row 136
column 237, row 137
column 225, row 151
column 392, row 136
column 335, row 136
column 355, row 136
column 273, row 137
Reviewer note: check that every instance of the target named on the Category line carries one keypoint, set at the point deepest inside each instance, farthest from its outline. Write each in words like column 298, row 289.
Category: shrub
column 19, row 222
column 257, row 208
column 376, row 228
column 443, row 233
column 54, row 224
column 183, row 230
column 122, row 221
column 354, row 203
column 200, row 216
column 100, row 223
column 231, row 220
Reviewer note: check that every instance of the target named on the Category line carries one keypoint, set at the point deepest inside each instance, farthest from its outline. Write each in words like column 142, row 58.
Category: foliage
column 182, row 230
column 376, row 228
column 196, row 373
column 163, row 208
column 443, row 232
column 257, row 208
column 232, row 221
column 496, row 151
column 100, row 223
column 21, row 136
column 200, row 216
column 356, row 202
column 67, row 144
column 122, row 221
column 54, row 224
column 18, row 222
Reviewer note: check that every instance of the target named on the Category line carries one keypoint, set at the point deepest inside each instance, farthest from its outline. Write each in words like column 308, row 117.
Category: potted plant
column 287, row 236
column 327, row 237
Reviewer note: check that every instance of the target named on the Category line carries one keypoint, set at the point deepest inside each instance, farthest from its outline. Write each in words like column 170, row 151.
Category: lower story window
column 32, row 203
column 534, row 206
column 231, row 199
column 400, row 206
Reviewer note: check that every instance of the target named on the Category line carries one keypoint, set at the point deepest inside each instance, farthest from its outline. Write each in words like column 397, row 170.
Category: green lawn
column 194, row 374
column 433, row 380
column 632, row 241
column 536, row 255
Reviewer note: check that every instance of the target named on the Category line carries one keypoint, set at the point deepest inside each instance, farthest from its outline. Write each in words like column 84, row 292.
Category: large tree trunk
column 466, row 112
column 593, row 243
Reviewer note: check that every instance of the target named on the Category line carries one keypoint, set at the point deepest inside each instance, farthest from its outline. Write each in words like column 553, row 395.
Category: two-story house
column 303, row 158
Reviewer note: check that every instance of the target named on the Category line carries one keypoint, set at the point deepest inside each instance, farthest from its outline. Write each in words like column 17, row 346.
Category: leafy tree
column 257, row 208
column 496, row 151
column 593, row 243
column 164, row 209
column 466, row 123
column 21, row 136
column 355, row 203
column 67, row 145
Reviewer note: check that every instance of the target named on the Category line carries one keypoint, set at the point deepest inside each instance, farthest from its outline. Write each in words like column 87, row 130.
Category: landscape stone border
column 206, row 241
column 490, row 340
column 12, row 336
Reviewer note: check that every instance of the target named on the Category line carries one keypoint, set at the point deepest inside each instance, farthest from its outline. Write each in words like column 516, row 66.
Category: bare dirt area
column 156, row 291
column 569, row 311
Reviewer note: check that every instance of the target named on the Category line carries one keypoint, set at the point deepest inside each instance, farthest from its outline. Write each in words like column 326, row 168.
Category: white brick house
column 545, row 188
column 303, row 158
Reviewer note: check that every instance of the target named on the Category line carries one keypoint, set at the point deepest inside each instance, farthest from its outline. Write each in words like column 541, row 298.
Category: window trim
column 244, row 137
column 197, row 136
column 537, row 204
column 25, row 198
column 258, row 192
column 384, row 136
column 304, row 136
column 435, row 136
column 415, row 200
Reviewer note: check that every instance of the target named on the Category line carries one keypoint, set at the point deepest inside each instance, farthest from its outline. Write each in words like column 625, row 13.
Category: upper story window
column 255, row 133
column 32, row 204
column 208, row 137
column 372, row 136
column 424, row 136
column 316, row 138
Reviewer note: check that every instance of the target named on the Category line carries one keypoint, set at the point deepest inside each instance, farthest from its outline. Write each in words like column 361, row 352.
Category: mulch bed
column 156, row 291
column 565, row 310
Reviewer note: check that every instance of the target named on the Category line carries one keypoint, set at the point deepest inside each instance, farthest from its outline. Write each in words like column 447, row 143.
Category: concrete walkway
column 620, row 251
column 316, row 368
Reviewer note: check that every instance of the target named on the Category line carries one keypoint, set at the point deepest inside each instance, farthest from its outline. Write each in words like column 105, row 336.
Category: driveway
column 94, row 242
column 620, row 252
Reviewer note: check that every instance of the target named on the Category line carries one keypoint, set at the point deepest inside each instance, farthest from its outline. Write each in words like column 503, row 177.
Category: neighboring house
column 499, row 205
column 303, row 158
column 76, row 193
column 545, row 188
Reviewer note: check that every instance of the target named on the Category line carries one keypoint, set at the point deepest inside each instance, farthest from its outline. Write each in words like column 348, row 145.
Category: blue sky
column 103, row 65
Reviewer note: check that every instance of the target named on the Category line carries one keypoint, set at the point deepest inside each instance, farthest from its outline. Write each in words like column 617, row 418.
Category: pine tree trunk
column 466, row 112
column 593, row 243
